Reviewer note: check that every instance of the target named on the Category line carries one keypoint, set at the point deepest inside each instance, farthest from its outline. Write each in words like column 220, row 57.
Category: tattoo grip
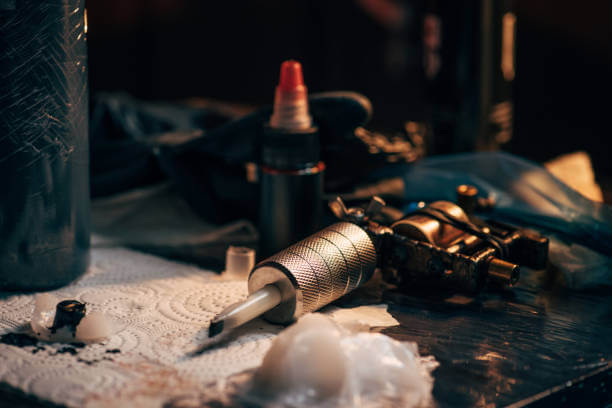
column 317, row 270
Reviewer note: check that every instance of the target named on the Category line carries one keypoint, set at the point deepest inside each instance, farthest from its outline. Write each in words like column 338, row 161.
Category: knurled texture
column 309, row 269
column 357, row 249
column 351, row 257
column 335, row 265
column 329, row 264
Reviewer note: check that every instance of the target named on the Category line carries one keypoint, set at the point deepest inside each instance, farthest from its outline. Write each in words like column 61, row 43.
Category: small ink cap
column 291, row 76
column 291, row 99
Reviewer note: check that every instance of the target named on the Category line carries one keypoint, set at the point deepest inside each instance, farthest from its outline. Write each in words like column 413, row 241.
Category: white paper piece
column 575, row 170
column 366, row 316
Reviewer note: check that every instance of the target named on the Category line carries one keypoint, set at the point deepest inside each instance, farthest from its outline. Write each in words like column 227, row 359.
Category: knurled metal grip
column 317, row 270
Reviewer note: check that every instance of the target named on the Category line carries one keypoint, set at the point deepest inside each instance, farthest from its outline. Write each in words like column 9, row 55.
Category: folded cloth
column 155, row 219
column 203, row 149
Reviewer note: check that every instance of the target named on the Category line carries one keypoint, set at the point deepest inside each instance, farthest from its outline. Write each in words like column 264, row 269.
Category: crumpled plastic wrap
column 317, row 362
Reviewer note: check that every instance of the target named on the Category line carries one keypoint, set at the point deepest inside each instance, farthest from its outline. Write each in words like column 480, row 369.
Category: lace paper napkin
column 164, row 309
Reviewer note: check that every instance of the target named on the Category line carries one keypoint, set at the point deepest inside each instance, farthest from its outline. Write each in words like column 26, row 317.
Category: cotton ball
column 317, row 365
column 94, row 326
column 45, row 302
column 305, row 362
column 43, row 315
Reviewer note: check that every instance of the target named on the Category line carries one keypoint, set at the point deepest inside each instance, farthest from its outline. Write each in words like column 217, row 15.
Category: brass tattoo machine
column 440, row 244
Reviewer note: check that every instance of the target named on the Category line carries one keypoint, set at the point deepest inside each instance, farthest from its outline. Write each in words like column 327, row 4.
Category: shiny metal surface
column 424, row 228
column 467, row 198
column 502, row 272
column 317, row 270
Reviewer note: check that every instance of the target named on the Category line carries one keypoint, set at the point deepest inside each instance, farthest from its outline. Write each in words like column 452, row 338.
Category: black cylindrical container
column 44, row 187
column 291, row 178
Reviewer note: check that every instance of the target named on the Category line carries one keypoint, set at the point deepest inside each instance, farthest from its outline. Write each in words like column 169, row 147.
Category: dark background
column 173, row 49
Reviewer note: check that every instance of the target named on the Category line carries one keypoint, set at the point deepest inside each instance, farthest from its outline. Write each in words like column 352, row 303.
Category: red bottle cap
column 291, row 76
column 291, row 99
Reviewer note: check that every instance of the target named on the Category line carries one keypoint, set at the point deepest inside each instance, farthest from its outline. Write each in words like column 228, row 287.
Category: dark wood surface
column 538, row 344
column 530, row 347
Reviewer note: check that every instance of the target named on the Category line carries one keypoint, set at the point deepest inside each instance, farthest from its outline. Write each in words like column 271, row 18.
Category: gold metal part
column 502, row 272
column 467, row 198
column 421, row 227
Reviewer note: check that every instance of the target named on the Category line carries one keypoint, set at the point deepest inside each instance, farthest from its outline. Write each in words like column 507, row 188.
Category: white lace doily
column 164, row 309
